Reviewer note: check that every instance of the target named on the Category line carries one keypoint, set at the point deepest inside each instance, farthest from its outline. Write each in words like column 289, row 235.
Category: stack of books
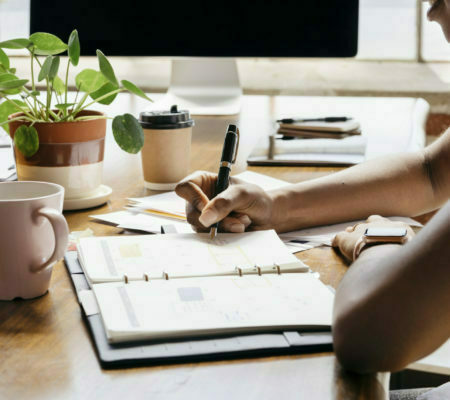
column 312, row 143
column 324, row 130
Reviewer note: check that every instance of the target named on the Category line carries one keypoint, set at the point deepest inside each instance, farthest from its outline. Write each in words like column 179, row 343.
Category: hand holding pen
column 236, row 204
column 229, row 153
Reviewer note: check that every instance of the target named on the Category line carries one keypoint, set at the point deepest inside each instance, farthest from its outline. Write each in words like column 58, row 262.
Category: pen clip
column 234, row 129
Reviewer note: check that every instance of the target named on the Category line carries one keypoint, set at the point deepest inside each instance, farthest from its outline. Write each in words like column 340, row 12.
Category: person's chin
column 445, row 25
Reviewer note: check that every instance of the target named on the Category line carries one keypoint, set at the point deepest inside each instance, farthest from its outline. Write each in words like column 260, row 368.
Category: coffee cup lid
column 172, row 119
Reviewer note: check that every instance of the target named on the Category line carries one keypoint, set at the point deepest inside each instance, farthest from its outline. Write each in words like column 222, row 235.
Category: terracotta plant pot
column 70, row 154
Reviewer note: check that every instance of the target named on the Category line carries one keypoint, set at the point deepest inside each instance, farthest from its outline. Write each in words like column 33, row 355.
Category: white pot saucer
column 100, row 196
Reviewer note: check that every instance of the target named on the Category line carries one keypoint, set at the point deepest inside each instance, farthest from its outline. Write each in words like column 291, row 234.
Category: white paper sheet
column 142, row 221
column 162, row 309
column 110, row 258
column 297, row 247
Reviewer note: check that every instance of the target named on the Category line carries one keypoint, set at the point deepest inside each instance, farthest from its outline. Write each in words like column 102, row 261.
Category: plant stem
column 22, row 118
column 67, row 82
column 76, row 96
column 30, row 106
column 100, row 98
column 18, row 107
column 49, row 99
column 33, row 86
column 80, row 104
column 41, row 103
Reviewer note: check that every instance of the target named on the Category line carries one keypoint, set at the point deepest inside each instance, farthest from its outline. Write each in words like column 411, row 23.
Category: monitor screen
column 204, row 28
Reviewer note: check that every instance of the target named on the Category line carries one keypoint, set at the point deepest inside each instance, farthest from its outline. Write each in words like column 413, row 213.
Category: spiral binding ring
column 278, row 269
column 125, row 278
column 239, row 271
column 258, row 269
column 146, row 278
column 165, row 276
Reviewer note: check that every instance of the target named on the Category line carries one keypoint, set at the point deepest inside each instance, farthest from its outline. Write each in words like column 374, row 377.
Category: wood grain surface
column 46, row 351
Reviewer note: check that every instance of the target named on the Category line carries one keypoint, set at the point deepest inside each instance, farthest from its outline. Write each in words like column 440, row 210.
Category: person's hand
column 243, row 206
column 346, row 240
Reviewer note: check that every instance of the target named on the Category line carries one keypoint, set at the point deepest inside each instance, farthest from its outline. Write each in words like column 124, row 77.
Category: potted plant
column 55, row 139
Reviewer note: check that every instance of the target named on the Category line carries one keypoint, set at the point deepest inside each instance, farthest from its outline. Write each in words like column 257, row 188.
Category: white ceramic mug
column 33, row 236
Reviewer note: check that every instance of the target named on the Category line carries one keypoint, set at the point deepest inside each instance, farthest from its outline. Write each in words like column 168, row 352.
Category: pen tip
column 213, row 232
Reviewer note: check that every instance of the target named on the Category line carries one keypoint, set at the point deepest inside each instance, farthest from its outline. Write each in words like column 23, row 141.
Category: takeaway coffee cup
column 33, row 236
column 167, row 147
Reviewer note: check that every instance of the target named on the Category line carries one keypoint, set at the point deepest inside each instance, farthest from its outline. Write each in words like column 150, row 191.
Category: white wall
column 14, row 19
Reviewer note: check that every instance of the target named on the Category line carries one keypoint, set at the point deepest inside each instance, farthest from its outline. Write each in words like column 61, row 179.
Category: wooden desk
column 45, row 348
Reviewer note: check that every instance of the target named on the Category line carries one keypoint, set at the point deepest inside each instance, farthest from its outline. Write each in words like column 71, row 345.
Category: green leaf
column 64, row 106
column 45, row 69
column 128, row 133
column 134, row 89
column 7, row 108
column 26, row 139
column 15, row 44
column 4, row 59
column 3, row 70
column 105, row 89
column 16, row 83
column 90, row 80
column 35, row 93
column 54, row 68
column 59, row 85
column 10, row 84
column 12, row 70
column 74, row 48
column 47, row 44
column 106, row 68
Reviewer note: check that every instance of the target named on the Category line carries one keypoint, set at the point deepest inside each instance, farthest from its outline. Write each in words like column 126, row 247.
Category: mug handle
column 61, row 231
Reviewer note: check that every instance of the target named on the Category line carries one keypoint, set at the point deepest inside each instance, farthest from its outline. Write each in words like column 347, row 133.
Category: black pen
column 229, row 153
column 326, row 119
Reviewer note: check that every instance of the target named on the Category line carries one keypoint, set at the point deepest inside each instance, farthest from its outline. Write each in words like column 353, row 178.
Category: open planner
column 168, row 286
column 189, row 297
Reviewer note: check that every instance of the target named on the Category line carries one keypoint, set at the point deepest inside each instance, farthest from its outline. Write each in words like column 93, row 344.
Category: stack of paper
column 312, row 143
column 150, row 213
column 317, row 129
column 167, row 211
column 143, row 222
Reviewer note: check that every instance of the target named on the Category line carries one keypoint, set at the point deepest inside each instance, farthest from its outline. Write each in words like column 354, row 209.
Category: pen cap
column 168, row 119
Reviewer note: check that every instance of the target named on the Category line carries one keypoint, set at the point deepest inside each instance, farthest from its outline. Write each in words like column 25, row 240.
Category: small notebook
column 347, row 126
column 187, row 285
column 297, row 133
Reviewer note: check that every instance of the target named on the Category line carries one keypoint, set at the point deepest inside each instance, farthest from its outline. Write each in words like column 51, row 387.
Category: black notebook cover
column 214, row 348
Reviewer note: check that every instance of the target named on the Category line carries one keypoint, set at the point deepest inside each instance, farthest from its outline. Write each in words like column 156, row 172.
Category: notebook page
column 204, row 306
column 106, row 259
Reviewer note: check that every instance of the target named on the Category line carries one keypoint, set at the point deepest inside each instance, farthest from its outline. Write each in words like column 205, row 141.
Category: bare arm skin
column 393, row 305
column 406, row 184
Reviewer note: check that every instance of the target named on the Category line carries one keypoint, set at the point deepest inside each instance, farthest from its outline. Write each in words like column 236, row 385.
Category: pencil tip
column 213, row 232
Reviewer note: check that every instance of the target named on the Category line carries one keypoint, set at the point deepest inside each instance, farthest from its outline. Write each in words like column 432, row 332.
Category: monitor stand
column 204, row 86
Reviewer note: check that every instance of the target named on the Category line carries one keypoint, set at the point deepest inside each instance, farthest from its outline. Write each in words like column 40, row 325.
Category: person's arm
column 405, row 184
column 393, row 305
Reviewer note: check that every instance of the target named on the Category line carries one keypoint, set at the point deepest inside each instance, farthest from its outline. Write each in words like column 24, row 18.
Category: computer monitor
column 204, row 37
